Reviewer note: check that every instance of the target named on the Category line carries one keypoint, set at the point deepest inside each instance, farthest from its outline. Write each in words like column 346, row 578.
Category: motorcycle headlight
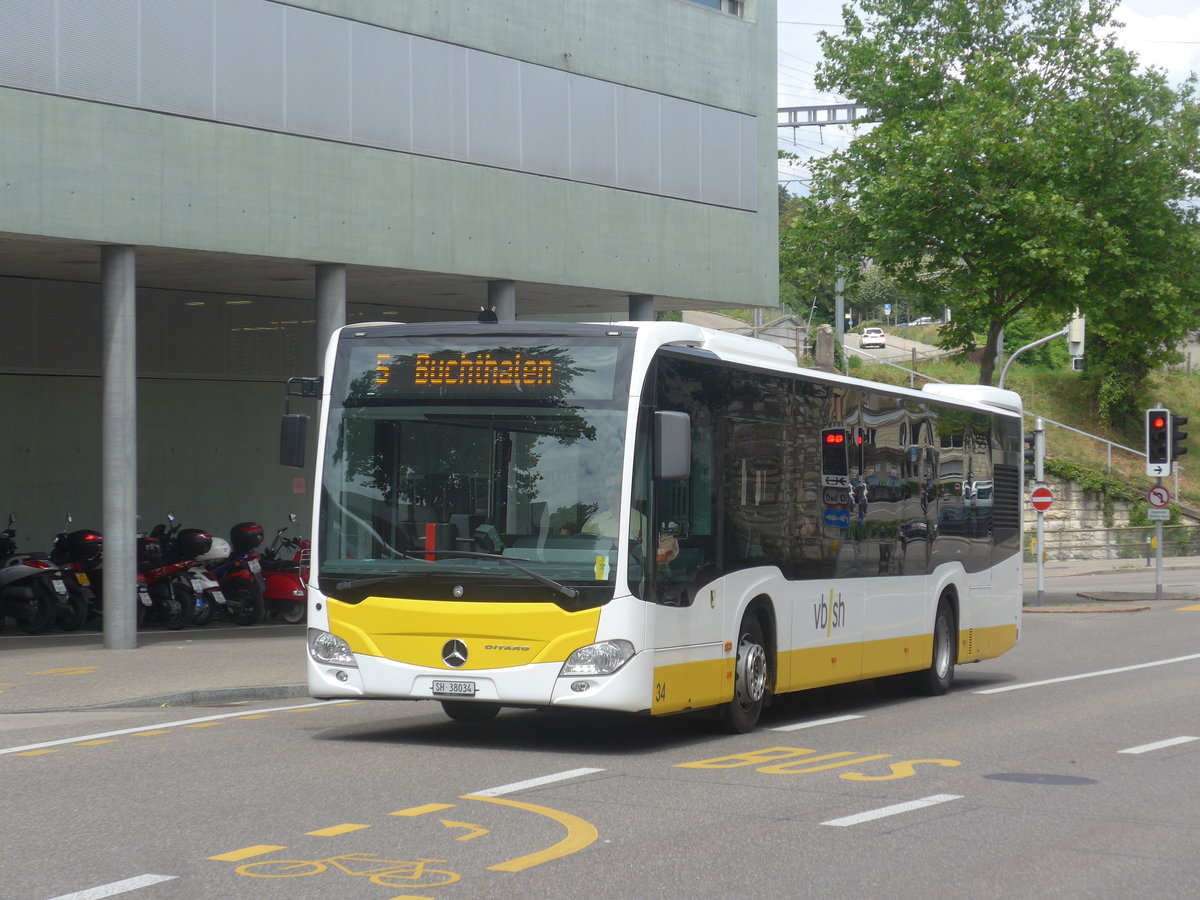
column 603, row 658
column 329, row 649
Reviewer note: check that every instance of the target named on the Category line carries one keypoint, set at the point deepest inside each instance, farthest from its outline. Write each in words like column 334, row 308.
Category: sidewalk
column 1077, row 586
column 168, row 668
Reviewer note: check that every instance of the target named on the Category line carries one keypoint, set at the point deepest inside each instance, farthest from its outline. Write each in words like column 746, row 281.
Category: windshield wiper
column 368, row 581
column 568, row 592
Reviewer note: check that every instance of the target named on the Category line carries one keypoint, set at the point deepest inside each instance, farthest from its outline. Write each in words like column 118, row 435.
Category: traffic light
column 1035, row 454
column 835, row 460
column 1177, row 436
column 1158, row 439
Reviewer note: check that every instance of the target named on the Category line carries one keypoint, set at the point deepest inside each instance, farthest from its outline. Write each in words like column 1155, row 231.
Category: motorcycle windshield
column 445, row 453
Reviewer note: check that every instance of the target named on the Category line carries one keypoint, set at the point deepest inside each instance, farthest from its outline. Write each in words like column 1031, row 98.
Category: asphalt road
column 1067, row 768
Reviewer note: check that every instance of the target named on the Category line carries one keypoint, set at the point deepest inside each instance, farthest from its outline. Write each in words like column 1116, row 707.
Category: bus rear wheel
column 935, row 680
column 741, row 714
column 470, row 711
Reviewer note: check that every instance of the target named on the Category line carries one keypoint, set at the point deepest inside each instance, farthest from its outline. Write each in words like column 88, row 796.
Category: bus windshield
column 444, row 453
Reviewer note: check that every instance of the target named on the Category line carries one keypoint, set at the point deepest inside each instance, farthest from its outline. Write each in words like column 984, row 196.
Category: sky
column 1164, row 33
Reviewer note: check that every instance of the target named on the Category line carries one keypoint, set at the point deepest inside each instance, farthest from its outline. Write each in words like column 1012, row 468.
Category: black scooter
column 35, row 591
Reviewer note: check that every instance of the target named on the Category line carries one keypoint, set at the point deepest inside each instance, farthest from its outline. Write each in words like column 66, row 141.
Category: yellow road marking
column 203, row 725
column 422, row 810
column 68, row 670
column 247, row 852
column 476, row 830
column 258, row 716
column 1195, row 608
column 95, row 743
column 150, row 733
column 335, row 830
column 580, row 834
column 35, row 753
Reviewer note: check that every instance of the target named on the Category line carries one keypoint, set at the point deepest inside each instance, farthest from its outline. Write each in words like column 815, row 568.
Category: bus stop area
column 223, row 666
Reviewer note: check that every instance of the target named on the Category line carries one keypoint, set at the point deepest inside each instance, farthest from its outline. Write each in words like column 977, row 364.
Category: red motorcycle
column 285, row 594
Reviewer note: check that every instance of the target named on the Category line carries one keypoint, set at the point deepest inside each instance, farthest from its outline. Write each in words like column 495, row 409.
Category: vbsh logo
column 829, row 614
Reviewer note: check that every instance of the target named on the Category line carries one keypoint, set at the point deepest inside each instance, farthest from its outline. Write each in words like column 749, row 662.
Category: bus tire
column 935, row 680
column 470, row 711
column 751, row 670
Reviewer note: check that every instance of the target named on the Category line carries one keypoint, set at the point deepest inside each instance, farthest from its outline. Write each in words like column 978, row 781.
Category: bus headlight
column 603, row 658
column 329, row 649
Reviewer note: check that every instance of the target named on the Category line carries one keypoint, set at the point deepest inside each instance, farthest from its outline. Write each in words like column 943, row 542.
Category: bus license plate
column 454, row 688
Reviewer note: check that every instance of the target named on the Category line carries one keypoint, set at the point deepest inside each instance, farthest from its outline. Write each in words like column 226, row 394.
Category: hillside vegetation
column 1065, row 396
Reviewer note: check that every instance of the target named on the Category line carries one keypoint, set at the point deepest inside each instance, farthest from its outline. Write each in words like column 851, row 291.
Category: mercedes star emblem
column 454, row 654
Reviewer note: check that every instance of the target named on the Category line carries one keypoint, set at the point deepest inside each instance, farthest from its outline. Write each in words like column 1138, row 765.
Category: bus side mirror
column 673, row 445
column 293, row 438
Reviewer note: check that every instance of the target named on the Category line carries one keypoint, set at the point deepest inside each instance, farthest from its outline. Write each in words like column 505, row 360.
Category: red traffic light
column 835, row 437
column 1158, row 422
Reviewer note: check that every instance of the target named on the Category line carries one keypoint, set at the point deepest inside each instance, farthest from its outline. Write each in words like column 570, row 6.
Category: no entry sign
column 1041, row 498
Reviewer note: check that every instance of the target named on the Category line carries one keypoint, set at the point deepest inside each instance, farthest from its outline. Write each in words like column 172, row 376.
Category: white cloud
column 1169, row 40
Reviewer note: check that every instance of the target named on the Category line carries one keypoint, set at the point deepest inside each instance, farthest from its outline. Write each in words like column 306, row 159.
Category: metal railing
column 1132, row 542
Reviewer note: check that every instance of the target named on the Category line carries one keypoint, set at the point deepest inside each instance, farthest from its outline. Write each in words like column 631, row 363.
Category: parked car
column 872, row 337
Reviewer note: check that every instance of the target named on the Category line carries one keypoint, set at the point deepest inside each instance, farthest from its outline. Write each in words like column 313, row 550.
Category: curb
column 189, row 698
column 1084, row 609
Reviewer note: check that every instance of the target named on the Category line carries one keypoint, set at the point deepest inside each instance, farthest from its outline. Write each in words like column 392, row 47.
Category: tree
column 1021, row 161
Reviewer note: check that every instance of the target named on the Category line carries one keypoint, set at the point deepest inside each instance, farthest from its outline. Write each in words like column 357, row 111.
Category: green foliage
column 1023, row 164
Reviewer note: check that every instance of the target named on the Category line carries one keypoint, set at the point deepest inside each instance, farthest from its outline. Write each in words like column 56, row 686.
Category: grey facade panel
column 546, row 121
column 593, row 122
column 680, row 148
column 98, row 50
column 249, row 84
column 493, row 112
column 721, row 142
column 177, row 57
column 380, row 100
column 27, row 41
column 318, row 75
column 637, row 140
column 438, row 99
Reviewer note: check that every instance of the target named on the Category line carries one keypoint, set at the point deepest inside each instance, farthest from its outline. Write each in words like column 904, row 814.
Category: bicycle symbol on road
column 386, row 872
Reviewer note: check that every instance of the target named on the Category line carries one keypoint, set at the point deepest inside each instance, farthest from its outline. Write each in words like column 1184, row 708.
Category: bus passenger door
column 686, row 627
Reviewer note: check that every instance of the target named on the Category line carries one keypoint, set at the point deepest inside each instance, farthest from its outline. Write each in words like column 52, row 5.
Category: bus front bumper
column 535, row 685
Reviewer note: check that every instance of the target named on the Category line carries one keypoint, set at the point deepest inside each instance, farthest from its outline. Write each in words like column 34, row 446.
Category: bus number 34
column 801, row 761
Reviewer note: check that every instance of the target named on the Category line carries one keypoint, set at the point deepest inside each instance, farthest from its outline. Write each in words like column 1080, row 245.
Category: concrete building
column 194, row 193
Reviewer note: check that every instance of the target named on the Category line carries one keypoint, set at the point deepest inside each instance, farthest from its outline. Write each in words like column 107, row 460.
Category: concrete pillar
column 331, row 306
column 502, row 297
column 824, row 350
column 118, row 446
column 641, row 307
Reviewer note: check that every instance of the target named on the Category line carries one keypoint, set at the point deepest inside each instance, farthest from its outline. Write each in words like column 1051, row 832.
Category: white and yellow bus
column 648, row 517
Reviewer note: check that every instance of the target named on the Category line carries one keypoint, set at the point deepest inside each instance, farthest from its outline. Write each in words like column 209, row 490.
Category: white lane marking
column 814, row 723
column 894, row 810
column 105, row 734
column 116, row 887
column 534, row 782
column 1149, row 665
column 1159, row 745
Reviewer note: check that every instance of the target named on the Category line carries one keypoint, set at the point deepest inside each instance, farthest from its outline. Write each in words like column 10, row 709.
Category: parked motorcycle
column 285, row 593
column 211, row 601
column 34, row 591
column 180, row 588
column 81, row 553
column 239, row 572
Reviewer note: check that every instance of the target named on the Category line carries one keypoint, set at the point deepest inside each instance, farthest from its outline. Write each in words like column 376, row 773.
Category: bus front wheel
column 936, row 679
column 741, row 714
